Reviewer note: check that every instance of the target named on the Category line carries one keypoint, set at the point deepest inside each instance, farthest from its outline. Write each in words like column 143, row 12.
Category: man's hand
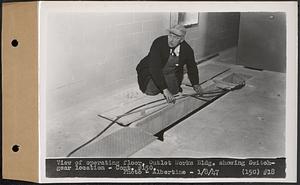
column 169, row 97
column 198, row 89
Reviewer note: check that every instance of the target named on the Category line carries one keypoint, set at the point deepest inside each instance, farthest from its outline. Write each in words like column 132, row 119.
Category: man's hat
column 178, row 30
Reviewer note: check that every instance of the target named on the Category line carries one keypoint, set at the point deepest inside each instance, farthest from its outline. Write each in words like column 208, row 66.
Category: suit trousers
column 169, row 72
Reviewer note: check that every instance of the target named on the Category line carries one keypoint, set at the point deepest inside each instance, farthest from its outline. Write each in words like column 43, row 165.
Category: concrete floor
column 245, row 123
column 249, row 122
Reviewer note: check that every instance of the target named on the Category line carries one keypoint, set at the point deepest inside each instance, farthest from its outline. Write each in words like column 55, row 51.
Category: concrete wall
column 89, row 54
column 92, row 53
column 262, row 41
column 215, row 32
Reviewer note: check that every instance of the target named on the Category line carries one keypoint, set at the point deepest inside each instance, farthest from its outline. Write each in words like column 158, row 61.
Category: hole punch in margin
column 14, row 42
column 15, row 148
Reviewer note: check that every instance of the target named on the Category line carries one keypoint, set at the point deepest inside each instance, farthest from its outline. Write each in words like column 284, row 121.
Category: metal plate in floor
column 121, row 143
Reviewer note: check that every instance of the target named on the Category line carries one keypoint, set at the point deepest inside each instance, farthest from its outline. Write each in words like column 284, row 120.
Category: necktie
column 173, row 52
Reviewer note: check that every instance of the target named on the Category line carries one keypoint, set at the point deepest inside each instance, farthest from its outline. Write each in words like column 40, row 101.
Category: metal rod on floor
column 185, row 96
column 109, row 119
column 217, row 94
column 95, row 137
column 194, row 95
column 210, row 78
column 118, row 117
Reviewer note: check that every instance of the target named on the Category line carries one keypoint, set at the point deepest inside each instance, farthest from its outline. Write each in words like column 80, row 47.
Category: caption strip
column 166, row 167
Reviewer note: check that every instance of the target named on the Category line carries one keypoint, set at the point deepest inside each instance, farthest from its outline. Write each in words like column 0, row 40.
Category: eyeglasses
column 174, row 36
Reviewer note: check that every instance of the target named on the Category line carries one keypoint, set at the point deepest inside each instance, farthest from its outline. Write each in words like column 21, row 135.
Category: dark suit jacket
column 151, row 66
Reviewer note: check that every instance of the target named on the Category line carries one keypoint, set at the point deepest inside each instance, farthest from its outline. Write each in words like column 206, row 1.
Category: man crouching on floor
column 161, row 71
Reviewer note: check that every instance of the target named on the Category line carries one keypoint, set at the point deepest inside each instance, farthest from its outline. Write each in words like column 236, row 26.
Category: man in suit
column 161, row 71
